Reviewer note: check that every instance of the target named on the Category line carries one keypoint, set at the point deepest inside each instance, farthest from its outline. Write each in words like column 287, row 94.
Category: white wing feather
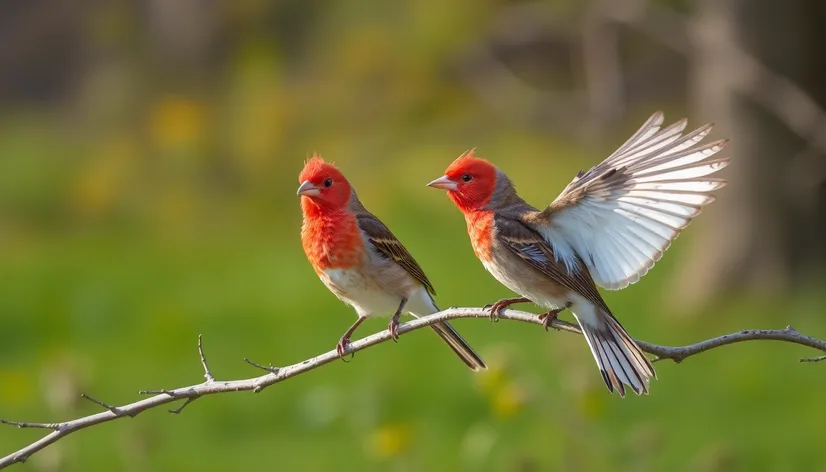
column 621, row 215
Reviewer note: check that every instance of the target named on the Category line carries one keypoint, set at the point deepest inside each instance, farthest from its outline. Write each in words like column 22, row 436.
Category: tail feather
column 459, row 346
column 451, row 337
column 621, row 362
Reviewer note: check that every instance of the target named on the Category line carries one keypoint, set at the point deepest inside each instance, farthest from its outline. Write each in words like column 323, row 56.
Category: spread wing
column 622, row 214
column 389, row 246
column 533, row 249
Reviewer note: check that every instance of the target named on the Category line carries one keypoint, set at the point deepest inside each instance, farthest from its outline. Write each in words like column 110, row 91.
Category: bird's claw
column 495, row 309
column 341, row 348
column 549, row 317
column 393, row 327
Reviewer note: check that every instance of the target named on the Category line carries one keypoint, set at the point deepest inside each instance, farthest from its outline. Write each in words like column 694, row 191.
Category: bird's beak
column 443, row 183
column 307, row 188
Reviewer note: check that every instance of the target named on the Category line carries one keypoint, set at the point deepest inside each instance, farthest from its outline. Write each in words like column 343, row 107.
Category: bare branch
column 275, row 375
column 678, row 354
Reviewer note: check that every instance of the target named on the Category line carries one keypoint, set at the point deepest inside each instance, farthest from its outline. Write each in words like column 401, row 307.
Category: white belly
column 525, row 281
column 360, row 292
column 370, row 298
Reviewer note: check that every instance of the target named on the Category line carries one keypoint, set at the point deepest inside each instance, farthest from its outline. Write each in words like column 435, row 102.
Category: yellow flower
column 508, row 401
column 390, row 441
column 175, row 122
column 98, row 185
column 494, row 378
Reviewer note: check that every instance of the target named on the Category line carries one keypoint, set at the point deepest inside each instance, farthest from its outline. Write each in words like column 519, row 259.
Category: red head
column 323, row 184
column 470, row 182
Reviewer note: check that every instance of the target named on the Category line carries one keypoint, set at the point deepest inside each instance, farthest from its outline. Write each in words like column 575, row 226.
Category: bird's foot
column 549, row 317
column 501, row 305
column 394, row 329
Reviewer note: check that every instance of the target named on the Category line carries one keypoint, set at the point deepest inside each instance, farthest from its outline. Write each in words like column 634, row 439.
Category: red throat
column 469, row 202
column 331, row 239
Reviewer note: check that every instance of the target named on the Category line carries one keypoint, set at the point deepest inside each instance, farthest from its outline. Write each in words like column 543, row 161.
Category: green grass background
column 110, row 313
column 147, row 210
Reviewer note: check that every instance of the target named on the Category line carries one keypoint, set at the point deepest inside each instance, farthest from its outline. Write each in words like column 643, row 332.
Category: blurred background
column 149, row 153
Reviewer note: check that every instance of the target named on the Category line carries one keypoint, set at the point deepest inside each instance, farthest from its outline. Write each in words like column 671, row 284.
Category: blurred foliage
column 155, row 200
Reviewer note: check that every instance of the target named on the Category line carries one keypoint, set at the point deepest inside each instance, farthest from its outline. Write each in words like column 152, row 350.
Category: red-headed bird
column 361, row 261
column 608, row 227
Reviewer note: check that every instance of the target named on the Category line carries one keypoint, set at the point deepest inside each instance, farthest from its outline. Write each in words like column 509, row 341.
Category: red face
column 324, row 184
column 469, row 181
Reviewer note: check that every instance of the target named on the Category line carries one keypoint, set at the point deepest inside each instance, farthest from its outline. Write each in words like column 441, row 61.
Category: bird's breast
column 480, row 230
column 332, row 242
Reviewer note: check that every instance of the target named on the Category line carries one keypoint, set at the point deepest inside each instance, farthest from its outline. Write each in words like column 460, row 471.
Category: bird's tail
column 459, row 346
column 452, row 338
column 619, row 358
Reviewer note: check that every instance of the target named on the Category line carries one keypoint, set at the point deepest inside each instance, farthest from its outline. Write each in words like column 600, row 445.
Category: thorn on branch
column 19, row 424
column 100, row 403
column 207, row 374
column 181, row 408
column 271, row 369
column 813, row 359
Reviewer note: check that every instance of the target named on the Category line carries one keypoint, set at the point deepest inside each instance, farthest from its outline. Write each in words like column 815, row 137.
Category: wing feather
column 389, row 246
column 621, row 215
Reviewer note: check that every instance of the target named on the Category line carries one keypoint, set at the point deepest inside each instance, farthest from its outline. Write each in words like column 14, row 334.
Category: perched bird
column 608, row 227
column 361, row 261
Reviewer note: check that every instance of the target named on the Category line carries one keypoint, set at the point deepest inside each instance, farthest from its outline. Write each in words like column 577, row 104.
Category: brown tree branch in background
column 602, row 68
column 785, row 99
column 753, row 88
column 275, row 374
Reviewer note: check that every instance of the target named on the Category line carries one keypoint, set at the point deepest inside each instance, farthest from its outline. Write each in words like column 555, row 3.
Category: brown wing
column 389, row 246
column 532, row 248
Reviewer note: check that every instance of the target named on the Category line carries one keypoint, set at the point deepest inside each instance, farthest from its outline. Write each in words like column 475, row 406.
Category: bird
column 607, row 228
column 361, row 262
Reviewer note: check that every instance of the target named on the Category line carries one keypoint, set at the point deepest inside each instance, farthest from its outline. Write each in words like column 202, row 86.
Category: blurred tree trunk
column 184, row 34
column 767, row 231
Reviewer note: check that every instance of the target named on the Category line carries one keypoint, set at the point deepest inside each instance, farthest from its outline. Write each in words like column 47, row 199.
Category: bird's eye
column 328, row 183
column 467, row 178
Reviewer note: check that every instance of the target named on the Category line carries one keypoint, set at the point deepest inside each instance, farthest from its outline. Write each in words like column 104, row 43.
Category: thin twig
column 256, row 384
column 98, row 402
column 161, row 391
column 52, row 426
column 181, row 408
column 271, row 368
column 207, row 374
